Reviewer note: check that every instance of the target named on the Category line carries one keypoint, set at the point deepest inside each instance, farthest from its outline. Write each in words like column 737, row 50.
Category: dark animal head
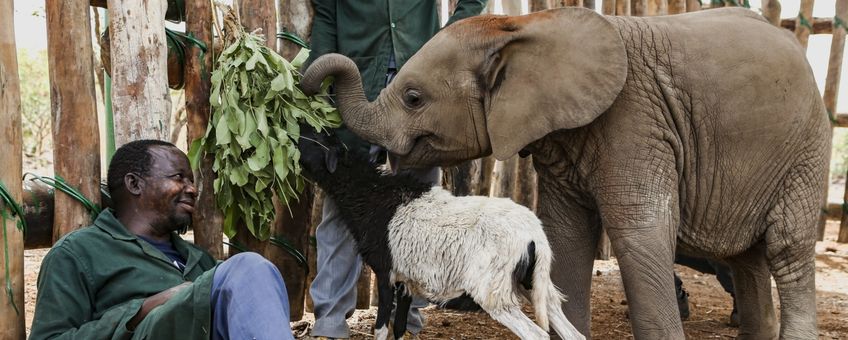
column 319, row 152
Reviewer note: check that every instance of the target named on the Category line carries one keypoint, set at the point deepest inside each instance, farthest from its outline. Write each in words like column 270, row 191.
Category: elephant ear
column 551, row 70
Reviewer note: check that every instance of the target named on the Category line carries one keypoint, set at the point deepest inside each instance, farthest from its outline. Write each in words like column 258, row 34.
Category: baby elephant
column 439, row 246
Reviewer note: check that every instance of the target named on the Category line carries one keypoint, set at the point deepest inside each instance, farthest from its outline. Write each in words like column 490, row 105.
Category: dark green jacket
column 369, row 31
column 94, row 280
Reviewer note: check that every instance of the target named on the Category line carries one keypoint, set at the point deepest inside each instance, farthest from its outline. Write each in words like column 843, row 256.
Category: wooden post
column 463, row 179
column 207, row 220
column 260, row 14
column 510, row 7
column 640, row 8
column 140, row 98
column 609, row 7
column 257, row 14
column 76, row 137
column 676, row 6
column 11, row 321
column 771, row 11
column 295, row 17
column 693, row 5
column 831, row 90
column 503, row 179
column 525, row 186
column 541, row 5
column 804, row 23
column 623, row 7
column 311, row 251
column 590, row 4
column 487, row 166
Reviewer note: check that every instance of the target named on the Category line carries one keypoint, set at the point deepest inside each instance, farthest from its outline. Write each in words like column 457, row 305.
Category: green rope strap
column 838, row 22
column 292, row 37
column 831, row 117
column 844, row 208
column 804, row 22
column 63, row 186
column 283, row 243
column 175, row 41
column 9, row 203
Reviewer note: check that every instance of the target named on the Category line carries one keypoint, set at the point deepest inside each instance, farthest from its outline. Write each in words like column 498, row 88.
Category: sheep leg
column 404, row 300
column 385, row 295
column 518, row 323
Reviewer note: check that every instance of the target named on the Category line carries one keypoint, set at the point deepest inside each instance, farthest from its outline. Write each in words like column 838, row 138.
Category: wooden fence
column 71, row 71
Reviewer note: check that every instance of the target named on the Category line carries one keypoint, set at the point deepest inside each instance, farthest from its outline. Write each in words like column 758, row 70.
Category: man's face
column 169, row 191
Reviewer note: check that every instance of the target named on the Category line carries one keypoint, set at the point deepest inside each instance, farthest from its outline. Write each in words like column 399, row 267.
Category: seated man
column 130, row 275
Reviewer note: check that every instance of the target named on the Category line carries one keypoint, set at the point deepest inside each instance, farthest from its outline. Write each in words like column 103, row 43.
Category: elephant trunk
column 362, row 117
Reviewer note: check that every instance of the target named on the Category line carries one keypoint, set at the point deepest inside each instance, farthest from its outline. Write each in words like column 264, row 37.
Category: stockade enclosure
column 141, row 109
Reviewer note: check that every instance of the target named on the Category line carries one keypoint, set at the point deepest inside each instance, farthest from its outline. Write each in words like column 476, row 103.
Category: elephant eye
column 412, row 99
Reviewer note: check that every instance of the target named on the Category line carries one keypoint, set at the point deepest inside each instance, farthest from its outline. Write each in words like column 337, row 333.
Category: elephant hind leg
column 752, row 287
column 790, row 253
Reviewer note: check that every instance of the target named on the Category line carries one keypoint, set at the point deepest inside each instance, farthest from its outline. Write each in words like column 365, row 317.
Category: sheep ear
column 331, row 159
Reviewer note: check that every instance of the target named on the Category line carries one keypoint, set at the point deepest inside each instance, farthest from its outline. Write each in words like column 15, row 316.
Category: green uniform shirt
column 94, row 280
column 369, row 32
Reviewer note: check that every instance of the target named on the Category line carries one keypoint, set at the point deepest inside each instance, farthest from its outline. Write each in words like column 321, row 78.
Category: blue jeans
column 249, row 300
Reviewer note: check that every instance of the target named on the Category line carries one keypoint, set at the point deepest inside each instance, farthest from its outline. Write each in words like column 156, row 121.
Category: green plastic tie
column 293, row 38
column 844, row 208
column 283, row 243
column 804, row 22
column 831, row 117
column 838, row 22
column 63, row 186
column 9, row 203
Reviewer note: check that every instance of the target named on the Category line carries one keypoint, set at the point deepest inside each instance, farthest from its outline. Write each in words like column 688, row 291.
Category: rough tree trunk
column 802, row 32
column 295, row 16
column 676, row 6
column 693, row 5
column 207, row 220
column 831, row 89
column 525, row 185
column 257, row 14
column 541, row 5
column 622, row 7
column 608, row 7
column 76, row 137
column 140, row 98
column 311, row 251
column 503, row 178
column 771, row 11
column 639, row 8
column 11, row 321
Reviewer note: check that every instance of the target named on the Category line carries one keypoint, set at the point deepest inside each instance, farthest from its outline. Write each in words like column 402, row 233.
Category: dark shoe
column 683, row 303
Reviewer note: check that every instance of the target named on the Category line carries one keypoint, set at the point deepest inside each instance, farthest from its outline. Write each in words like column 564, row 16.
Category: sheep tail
column 543, row 292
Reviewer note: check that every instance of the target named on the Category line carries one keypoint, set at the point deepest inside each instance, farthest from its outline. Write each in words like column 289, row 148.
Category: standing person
column 130, row 276
column 380, row 36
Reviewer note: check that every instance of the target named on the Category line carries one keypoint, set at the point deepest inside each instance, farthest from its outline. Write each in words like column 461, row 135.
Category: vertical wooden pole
column 140, row 98
column 676, row 6
column 511, row 7
column 11, row 321
column 623, row 7
column 260, row 14
column 640, row 8
column 207, row 219
column 609, row 7
column 831, row 90
column 771, row 11
column 311, row 251
column 540, row 5
column 487, row 167
column 257, row 14
column 526, row 183
column 693, row 5
column 804, row 22
column 503, row 179
column 76, row 137
column 295, row 16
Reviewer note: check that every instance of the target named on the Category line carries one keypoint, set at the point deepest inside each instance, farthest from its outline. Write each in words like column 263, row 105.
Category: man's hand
column 153, row 302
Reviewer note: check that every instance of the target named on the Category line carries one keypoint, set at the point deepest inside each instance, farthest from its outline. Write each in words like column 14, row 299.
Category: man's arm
column 63, row 309
column 466, row 8
column 324, row 27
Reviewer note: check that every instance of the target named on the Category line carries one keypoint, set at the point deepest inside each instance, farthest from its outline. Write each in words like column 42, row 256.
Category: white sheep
column 437, row 245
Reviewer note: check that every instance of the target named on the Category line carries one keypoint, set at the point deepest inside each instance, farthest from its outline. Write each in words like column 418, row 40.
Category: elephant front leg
column 643, row 236
column 573, row 232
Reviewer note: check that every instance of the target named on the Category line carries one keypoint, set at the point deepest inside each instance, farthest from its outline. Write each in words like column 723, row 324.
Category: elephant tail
column 546, row 297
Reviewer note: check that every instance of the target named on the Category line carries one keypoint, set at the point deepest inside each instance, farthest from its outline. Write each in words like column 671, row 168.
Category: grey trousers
column 334, row 289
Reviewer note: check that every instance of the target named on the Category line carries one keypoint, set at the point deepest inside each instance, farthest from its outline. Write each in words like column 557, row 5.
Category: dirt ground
column 710, row 306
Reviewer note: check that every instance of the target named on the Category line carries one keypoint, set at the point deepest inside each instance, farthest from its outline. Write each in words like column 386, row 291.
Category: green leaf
column 194, row 153
column 260, row 157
